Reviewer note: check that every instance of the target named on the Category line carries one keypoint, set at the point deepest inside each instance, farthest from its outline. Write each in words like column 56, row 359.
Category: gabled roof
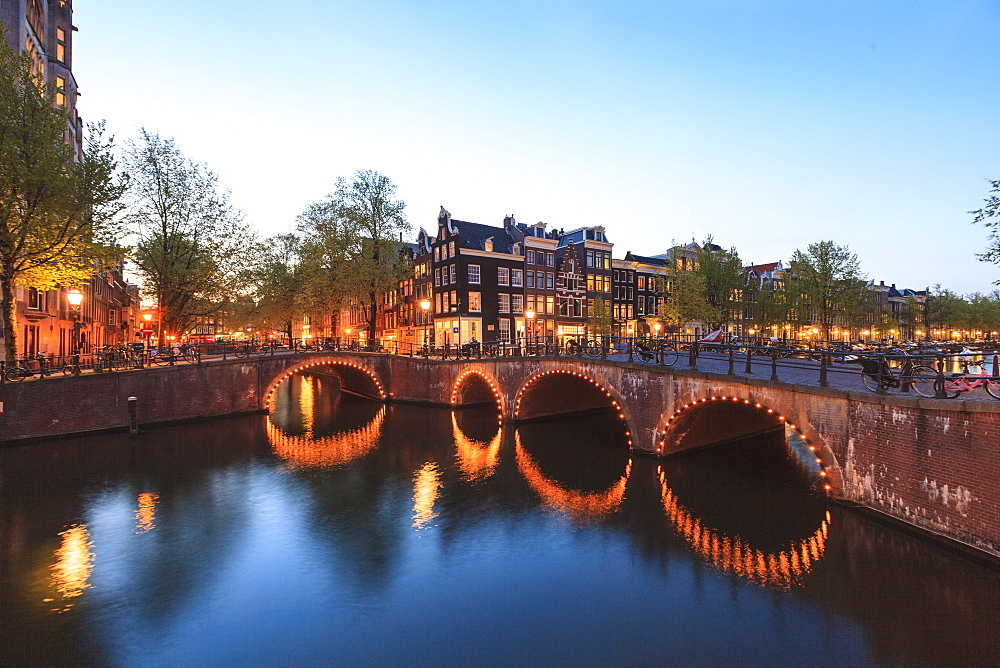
column 473, row 235
column 763, row 268
column 656, row 260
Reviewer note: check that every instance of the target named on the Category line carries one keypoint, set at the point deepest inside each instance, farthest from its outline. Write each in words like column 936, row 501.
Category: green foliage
column 352, row 244
column 723, row 283
column 827, row 285
column 57, row 216
column 989, row 216
column 192, row 248
column 276, row 277
column 684, row 298
column 599, row 318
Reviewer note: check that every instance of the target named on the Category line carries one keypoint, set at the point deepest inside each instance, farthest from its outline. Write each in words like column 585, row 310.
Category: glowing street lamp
column 425, row 306
column 75, row 299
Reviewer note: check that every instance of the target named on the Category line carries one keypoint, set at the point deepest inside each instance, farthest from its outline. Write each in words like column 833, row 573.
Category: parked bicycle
column 960, row 383
column 45, row 367
column 657, row 352
column 878, row 372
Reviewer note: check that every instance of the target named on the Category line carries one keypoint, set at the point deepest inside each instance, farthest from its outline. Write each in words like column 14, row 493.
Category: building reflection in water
column 145, row 514
column 573, row 502
column 733, row 554
column 477, row 460
column 74, row 563
column 426, row 485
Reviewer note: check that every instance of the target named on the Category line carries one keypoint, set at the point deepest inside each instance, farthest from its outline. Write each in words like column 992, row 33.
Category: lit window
column 550, row 304
column 451, row 249
column 503, row 303
column 474, row 274
column 517, row 303
column 454, row 300
column 61, row 91
column 61, row 44
column 503, row 276
column 505, row 329
column 475, row 302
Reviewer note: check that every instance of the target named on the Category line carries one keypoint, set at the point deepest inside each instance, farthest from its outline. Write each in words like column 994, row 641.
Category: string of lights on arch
column 534, row 379
column 288, row 373
column 457, row 386
column 757, row 406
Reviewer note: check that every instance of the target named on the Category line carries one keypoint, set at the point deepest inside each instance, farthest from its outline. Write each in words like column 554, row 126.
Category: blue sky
column 769, row 125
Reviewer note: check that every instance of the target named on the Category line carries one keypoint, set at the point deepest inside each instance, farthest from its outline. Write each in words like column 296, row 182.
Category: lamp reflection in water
column 573, row 502
column 146, row 513
column 426, row 485
column 74, row 563
column 783, row 569
column 477, row 460
column 308, row 451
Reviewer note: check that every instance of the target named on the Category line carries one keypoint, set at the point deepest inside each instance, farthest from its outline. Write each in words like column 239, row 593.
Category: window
column 454, row 274
column 36, row 299
column 61, row 91
column 529, row 257
column 112, row 317
column 437, row 278
column 451, row 249
column 454, row 301
column 474, row 274
column 504, row 302
column 504, row 329
column 475, row 302
column 590, row 258
column 437, row 300
column 503, row 276
column 550, row 259
column 531, row 302
column 550, row 281
column 531, row 279
column 550, row 304
column 517, row 303
column 516, row 278
column 590, row 281
column 642, row 282
column 437, row 254
column 61, row 44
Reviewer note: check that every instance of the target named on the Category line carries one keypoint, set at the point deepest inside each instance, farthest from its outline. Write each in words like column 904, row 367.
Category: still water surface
column 340, row 531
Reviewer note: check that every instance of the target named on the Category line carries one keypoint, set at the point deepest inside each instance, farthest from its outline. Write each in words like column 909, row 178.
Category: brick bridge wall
column 927, row 462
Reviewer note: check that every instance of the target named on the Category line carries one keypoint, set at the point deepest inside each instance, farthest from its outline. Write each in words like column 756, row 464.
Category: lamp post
column 75, row 299
column 425, row 306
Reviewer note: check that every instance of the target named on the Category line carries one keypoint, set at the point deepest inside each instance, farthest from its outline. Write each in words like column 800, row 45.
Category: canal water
column 340, row 531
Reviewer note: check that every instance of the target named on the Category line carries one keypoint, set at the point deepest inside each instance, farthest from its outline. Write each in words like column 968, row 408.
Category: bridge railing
column 938, row 370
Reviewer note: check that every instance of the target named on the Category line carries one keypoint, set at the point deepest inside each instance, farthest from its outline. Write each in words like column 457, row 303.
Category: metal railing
column 934, row 370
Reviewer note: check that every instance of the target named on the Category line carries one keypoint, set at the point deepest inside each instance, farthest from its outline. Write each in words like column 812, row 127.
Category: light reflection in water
column 575, row 503
column 307, row 451
column 145, row 514
column 426, row 484
column 783, row 569
column 74, row 563
column 477, row 460
column 307, row 404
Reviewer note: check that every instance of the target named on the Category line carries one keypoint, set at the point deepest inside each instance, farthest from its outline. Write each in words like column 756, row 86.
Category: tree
column 945, row 309
column 827, row 281
column 989, row 216
column 192, row 248
column 683, row 298
column 599, row 318
column 724, row 282
column 277, row 277
column 57, row 215
column 353, row 239
column 768, row 305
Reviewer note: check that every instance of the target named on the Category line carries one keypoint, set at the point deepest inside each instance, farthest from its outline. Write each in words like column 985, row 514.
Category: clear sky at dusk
column 768, row 125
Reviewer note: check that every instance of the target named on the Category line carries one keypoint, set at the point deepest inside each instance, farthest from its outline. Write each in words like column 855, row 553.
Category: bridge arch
column 701, row 421
column 476, row 387
column 355, row 378
column 539, row 396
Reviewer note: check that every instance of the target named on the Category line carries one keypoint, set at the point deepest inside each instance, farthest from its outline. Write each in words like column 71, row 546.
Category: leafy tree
column 945, row 309
column 599, row 318
column 768, row 305
column 353, row 242
column 57, row 215
column 192, row 246
column 277, row 277
column 684, row 298
column 989, row 216
column 828, row 285
column 723, row 284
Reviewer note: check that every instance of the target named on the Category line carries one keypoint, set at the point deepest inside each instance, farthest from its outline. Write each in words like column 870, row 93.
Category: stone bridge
column 930, row 463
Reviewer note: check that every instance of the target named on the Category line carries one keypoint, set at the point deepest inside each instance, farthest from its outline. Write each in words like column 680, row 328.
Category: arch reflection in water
column 775, row 521
column 575, row 502
column 74, row 563
column 477, row 459
column 314, row 405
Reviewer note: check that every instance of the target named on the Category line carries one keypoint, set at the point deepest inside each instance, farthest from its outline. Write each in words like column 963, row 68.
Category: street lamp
column 75, row 299
column 425, row 306
column 657, row 326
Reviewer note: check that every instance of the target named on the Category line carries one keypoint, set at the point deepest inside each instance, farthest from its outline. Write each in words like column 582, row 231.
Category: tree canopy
column 827, row 285
column 58, row 222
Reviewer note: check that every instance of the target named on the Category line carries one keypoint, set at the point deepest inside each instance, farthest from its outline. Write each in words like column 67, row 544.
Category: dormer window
column 488, row 245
